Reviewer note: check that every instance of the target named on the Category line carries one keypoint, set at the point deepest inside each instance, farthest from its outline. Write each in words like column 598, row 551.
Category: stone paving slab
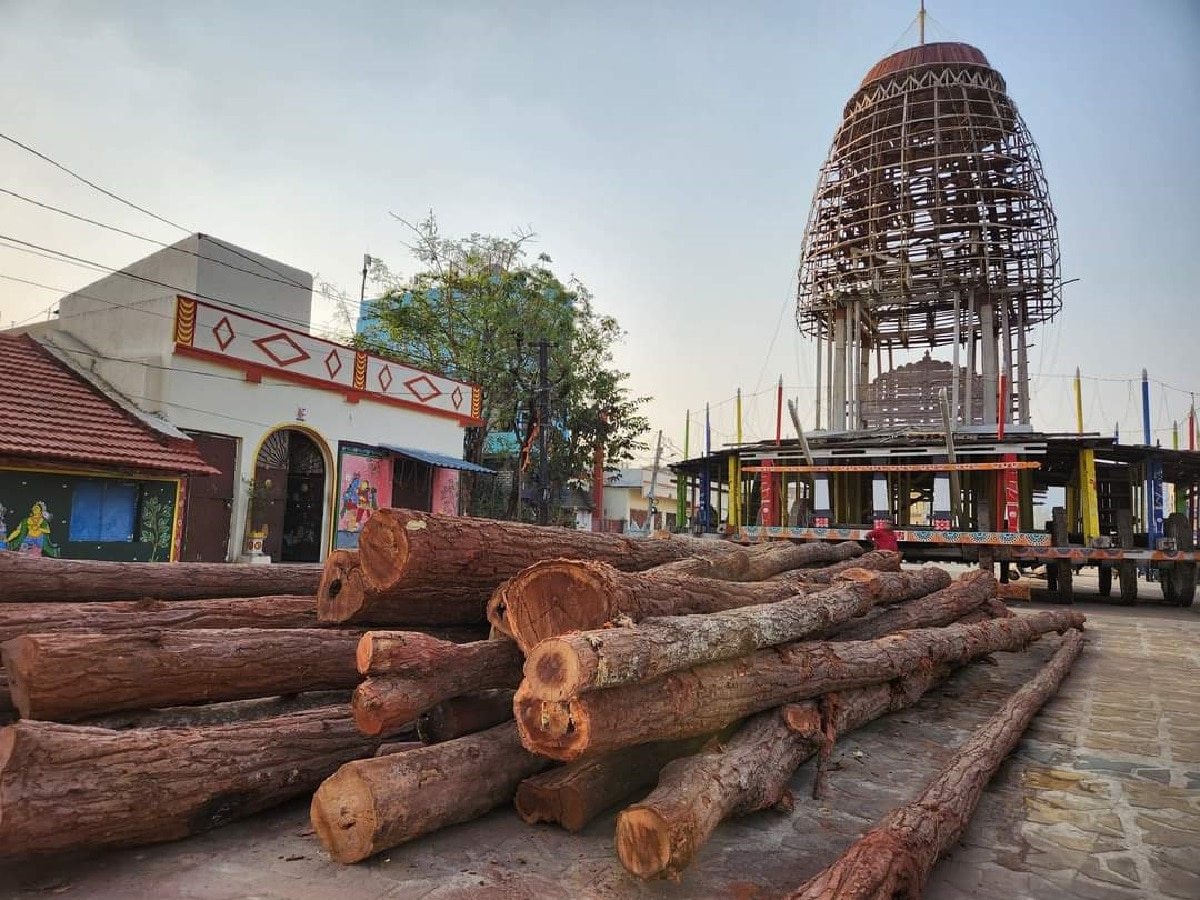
column 1101, row 800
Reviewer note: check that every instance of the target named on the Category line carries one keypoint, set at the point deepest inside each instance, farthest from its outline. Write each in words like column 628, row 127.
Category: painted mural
column 77, row 516
column 31, row 537
column 364, row 484
column 445, row 491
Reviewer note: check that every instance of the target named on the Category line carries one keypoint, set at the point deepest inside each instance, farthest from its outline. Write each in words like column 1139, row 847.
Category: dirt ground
column 1101, row 799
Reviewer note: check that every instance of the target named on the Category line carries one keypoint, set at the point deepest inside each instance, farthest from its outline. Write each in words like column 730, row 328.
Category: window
column 103, row 511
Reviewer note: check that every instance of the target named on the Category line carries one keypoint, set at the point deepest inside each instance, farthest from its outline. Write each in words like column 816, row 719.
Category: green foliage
column 474, row 310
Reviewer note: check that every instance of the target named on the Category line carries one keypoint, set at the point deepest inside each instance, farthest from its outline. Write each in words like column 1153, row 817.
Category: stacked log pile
column 687, row 679
column 212, row 688
column 699, row 683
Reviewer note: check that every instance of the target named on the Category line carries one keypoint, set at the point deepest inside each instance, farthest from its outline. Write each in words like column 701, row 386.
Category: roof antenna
column 921, row 24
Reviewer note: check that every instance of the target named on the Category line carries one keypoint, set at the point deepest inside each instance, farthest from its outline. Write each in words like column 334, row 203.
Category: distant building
column 309, row 436
column 627, row 500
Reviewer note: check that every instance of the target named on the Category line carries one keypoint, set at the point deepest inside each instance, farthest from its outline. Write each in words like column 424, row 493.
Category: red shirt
column 883, row 539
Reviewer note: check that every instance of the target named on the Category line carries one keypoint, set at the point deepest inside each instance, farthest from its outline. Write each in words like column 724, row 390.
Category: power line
column 141, row 209
column 149, row 240
column 40, row 250
column 91, row 184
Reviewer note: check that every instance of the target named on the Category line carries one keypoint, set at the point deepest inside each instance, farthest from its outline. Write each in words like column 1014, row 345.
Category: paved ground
column 1101, row 800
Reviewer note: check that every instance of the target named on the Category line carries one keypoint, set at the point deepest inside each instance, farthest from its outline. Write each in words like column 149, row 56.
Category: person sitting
column 883, row 537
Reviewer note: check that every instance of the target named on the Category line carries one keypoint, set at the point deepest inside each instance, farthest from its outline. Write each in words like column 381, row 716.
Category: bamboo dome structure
column 931, row 226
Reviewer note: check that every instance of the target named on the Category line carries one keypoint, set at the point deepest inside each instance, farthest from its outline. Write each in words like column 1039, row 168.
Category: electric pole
column 543, row 401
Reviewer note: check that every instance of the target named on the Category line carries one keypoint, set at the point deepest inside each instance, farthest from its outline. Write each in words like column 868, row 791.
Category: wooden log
column 217, row 713
column 875, row 560
column 17, row 619
column 996, row 608
column 1015, row 590
column 574, row 794
column 709, row 697
column 895, row 858
column 70, row 676
column 340, row 566
column 418, row 654
column 762, row 561
column 385, row 702
column 391, row 747
column 749, row 772
column 47, row 580
column 943, row 607
column 372, row 804
column 66, row 787
column 558, row 596
column 460, row 716
column 8, row 712
column 573, row 664
column 424, row 568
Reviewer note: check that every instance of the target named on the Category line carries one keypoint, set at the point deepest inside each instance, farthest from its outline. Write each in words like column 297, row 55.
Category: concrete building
column 309, row 435
column 627, row 500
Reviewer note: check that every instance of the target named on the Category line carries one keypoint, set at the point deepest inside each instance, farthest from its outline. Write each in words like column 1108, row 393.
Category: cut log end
column 803, row 719
column 643, row 842
column 377, row 709
column 535, row 804
column 384, row 549
column 554, row 670
column 363, row 653
column 557, row 597
column 342, row 594
column 855, row 574
column 343, row 815
column 550, row 728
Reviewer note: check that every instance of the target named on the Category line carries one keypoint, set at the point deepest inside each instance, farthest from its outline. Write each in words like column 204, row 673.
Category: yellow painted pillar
column 1089, row 504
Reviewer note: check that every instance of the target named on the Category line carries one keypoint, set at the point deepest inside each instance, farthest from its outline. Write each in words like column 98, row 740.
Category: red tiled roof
column 47, row 412
column 941, row 53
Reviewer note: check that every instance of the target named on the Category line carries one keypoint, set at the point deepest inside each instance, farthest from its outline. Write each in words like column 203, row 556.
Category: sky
column 665, row 153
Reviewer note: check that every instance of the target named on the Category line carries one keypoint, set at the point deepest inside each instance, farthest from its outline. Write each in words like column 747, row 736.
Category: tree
column 473, row 311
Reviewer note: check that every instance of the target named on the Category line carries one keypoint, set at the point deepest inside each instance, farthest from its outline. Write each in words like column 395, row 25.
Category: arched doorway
column 289, row 495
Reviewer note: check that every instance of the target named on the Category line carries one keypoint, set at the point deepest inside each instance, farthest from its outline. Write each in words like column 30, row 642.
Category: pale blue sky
column 665, row 152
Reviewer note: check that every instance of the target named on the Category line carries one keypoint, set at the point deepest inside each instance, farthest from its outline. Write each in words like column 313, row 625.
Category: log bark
column 424, row 568
column 1015, row 590
column 895, row 859
column 996, row 608
column 875, row 560
column 971, row 590
column 709, row 697
column 65, row 787
column 70, row 676
column 559, row 596
column 573, row 664
column 418, row 654
column 8, row 712
column 391, row 747
column 47, row 580
column 574, row 794
column 371, row 805
column 662, row 834
column 217, row 713
column 385, row 702
column 460, row 716
column 17, row 619
column 761, row 561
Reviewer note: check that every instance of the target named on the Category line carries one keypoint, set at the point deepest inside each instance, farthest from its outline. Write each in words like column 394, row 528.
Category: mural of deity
column 359, row 500
column 32, row 536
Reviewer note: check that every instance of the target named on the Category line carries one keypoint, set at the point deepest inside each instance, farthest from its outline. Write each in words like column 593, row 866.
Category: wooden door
column 210, row 501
